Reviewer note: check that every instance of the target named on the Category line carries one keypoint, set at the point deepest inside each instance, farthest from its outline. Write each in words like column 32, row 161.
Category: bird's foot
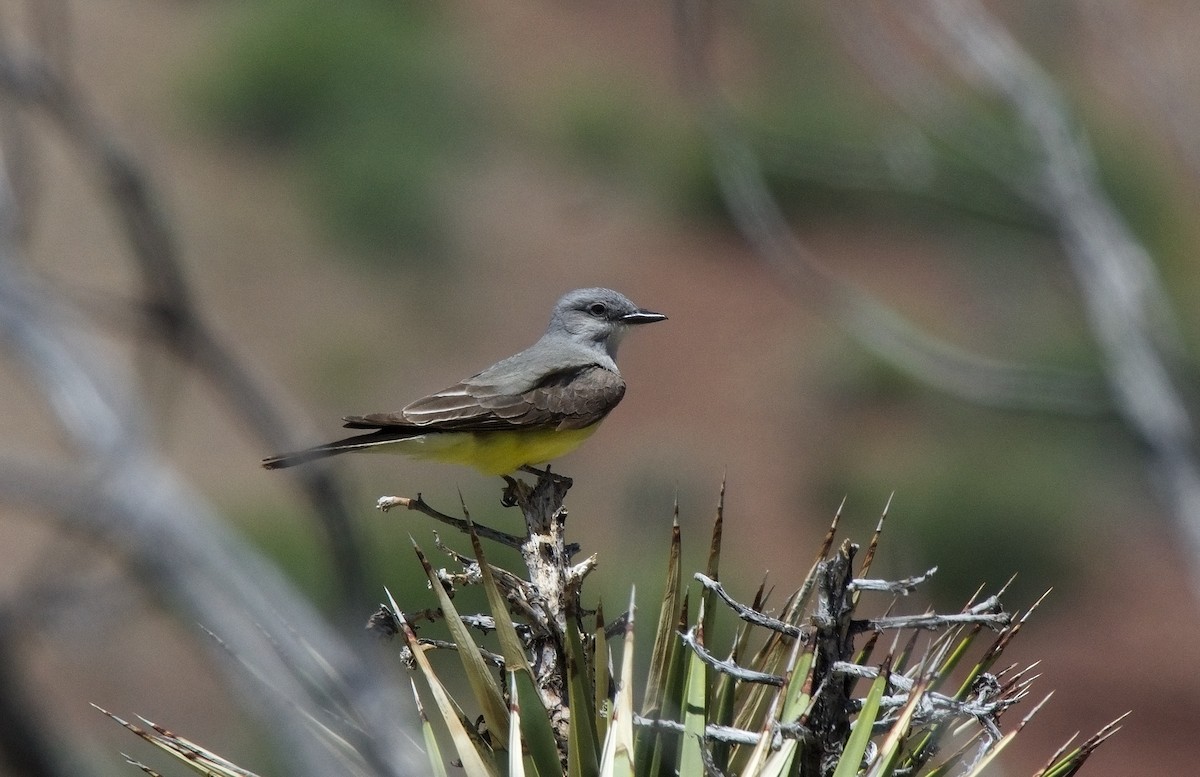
column 510, row 497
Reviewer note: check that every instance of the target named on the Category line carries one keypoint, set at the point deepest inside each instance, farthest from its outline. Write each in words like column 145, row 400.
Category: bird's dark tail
column 285, row 460
column 356, row 443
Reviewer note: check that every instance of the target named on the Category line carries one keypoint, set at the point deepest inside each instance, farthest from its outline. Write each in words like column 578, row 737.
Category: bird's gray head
column 598, row 317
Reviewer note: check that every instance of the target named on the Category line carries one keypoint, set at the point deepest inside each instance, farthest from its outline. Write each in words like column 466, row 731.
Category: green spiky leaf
column 860, row 734
column 484, row 688
column 466, row 745
column 691, row 759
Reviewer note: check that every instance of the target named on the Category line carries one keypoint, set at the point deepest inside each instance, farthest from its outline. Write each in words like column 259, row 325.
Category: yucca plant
column 815, row 690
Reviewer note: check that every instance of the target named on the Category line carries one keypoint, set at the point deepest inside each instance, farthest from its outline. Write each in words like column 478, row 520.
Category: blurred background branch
column 330, row 703
column 1129, row 313
column 876, row 326
column 165, row 312
column 116, row 492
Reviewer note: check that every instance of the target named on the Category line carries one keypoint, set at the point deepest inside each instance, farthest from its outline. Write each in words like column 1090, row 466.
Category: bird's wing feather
column 567, row 399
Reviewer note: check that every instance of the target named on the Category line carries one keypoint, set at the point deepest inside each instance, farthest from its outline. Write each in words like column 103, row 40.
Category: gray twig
column 904, row 586
column 729, row 734
column 495, row 659
column 386, row 503
column 748, row 614
column 933, row 621
column 727, row 666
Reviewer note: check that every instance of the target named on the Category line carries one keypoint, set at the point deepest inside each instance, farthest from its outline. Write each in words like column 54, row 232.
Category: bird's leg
column 533, row 470
column 546, row 473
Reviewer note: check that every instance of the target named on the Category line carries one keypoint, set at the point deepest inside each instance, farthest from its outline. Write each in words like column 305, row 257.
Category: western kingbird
column 522, row 411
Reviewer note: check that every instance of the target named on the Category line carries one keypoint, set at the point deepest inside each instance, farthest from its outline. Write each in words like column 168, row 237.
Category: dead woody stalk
column 830, row 633
column 546, row 603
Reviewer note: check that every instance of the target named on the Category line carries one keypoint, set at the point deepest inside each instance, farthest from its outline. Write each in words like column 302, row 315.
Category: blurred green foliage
column 986, row 495
column 291, row 542
column 647, row 145
column 295, row 544
column 374, row 104
column 368, row 97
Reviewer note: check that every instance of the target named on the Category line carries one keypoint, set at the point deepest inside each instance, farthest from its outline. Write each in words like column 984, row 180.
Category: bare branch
column 934, row 622
column 168, row 313
column 386, row 503
column 729, row 667
column 718, row 733
column 749, row 614
column 495, row 659
column 904, row 587
column 130, row 501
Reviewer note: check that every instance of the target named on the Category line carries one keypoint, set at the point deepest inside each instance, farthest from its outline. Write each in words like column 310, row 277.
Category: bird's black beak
column 642, row 317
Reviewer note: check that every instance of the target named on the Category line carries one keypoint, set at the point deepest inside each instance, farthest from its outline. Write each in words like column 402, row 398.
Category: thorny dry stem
column 386, row 503
column 903, row 586
column 547, row 604
column 745, row 612
column 831, row 627
column 729, row 734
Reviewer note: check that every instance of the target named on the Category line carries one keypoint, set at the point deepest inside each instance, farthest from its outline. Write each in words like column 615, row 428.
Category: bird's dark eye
column 597, row 308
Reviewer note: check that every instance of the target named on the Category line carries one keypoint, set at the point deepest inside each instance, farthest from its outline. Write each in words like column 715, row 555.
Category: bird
column 523, row 411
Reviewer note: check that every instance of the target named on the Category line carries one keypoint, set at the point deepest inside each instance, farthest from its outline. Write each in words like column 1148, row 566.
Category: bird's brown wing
column 568, row 399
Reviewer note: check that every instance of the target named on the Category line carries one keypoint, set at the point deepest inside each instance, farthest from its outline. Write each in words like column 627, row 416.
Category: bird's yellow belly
column 495, row 453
